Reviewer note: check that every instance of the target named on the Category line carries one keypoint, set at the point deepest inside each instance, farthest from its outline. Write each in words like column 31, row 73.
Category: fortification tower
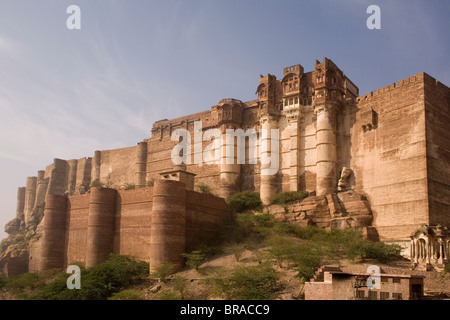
column 269, row 102
column 230, row 117
column 292, row 110
column 168, row 228
column 328, row 99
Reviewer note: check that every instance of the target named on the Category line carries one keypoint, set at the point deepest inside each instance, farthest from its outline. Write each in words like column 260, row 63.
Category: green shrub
column 247, row 283
column 168, row 295
column 194, row 259
column 373, row 250
column 247, row 227
column 283, row 228
column 150, row 183
column 129, row 186
column 284, row 197
column 245, row 200
column 307, row 259
column 126, row 295
column 3, row 280
column 98, row 282
column 163, row 270
column 97, row 184
column 203, row 188
column 179, row 285
column 30, row 280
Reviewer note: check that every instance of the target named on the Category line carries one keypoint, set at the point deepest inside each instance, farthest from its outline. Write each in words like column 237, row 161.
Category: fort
column 379, row 162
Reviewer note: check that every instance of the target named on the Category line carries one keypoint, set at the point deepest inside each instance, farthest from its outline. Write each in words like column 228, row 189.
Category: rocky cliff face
column 14, row 249
column 346, row 209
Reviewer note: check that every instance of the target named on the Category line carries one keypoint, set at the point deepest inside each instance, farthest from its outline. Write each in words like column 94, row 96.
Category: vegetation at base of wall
column 163, row 270
column 283, row 198
column 204, row 188
column 129, row 186
column 249, row 228
column 98, row 282
column 281, row 246
column 150, row 183
column 245, row 200
column 246, row 283
column 97, row 184
column 304, row 249
column 194, row 259
column 199, row 254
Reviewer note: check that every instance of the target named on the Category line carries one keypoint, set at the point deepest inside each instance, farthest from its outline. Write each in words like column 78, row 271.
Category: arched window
column 291, row 101
column 296, row 100
column 286, row 102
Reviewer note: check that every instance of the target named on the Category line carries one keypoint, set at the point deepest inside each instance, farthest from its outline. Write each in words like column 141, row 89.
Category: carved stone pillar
column 441, row 252
column 269, row 185
column 293, row 115
column 326, row 148
column 230, row 170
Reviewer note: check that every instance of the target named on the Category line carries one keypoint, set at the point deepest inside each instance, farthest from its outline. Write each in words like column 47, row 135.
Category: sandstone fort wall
column 389, row 156
column 155, row 224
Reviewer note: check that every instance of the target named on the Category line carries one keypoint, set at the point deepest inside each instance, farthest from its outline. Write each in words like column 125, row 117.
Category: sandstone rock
column 13, row 226
column 155, row 288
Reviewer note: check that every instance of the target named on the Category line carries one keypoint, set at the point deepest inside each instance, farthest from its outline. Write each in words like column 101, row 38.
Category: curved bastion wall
column 156, row 224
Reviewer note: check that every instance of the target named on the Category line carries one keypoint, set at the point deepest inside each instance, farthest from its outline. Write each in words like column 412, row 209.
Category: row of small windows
column 373, row 295
column 290, row 86
column 319, row 79
column 291, row 101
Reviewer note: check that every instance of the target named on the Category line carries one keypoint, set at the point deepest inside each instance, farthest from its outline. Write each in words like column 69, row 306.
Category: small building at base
column 330, row 283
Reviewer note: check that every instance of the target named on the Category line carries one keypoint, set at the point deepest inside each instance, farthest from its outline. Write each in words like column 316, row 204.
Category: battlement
column 420, row 77
column 293, row 69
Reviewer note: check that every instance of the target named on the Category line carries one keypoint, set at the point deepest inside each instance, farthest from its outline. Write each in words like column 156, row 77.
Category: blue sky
column 66, row 93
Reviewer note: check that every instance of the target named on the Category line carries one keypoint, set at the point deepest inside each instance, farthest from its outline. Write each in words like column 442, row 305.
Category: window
column 296, row 100
column 384, row 295
column 396, row 280
column 359, row 294
column 286, row 102
column 291, row 101
column 384, row 279
column 373, row 295
column 397, row 296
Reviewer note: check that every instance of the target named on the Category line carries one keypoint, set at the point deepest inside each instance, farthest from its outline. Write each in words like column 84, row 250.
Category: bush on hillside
column 98, row 282
column 247, row 283
column 245, row 200
column 284, row 197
